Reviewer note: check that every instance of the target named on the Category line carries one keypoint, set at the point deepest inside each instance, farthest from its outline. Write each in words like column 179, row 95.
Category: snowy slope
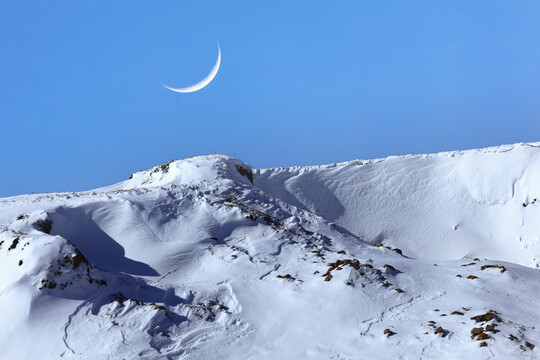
column 205, row 258
column 476, row 203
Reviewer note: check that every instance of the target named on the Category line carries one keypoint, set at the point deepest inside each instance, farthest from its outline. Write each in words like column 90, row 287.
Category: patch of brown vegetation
column 379, row 245
column 164, row 167
column 476, row 331
column 483, row 344
column 398, row 290
column 158, row 307
column 483, row 336
column 529, row 345
column 339, row 265
column 342, row 263
column 472, row 277
column 469, row 264
column 341, row 252
column 490, row 328
column 479, row 334
column 490, row 315
column 286, row 276
column 484, row 267
column 440, row 330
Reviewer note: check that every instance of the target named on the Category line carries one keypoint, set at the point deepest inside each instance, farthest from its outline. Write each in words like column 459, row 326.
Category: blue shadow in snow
column 101, row 250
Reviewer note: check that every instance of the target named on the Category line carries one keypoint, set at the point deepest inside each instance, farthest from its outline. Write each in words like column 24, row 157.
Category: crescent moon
column 203, row 82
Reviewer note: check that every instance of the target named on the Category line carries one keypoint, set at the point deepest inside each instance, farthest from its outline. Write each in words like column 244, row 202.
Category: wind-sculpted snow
column 438, row 207
column 205, row 258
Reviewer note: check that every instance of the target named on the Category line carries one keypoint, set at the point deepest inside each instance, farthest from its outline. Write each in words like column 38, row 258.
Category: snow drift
column 476, row 203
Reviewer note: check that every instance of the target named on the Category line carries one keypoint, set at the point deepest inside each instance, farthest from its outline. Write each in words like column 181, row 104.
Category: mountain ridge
column 192, row 259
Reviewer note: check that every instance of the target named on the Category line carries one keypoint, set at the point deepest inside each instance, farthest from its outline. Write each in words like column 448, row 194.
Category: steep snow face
column 205, row 258
column 478, row 203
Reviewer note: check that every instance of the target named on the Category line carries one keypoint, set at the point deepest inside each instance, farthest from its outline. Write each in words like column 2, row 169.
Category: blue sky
column 300, row 83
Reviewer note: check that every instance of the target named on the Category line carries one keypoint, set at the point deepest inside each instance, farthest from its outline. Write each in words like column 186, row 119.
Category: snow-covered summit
column 188, row 171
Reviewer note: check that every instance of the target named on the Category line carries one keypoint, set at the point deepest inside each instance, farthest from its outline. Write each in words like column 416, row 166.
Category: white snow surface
column 207, row 258
column 439, row 207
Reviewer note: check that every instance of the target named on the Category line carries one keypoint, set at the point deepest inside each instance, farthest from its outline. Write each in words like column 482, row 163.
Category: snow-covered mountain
column 417, row 256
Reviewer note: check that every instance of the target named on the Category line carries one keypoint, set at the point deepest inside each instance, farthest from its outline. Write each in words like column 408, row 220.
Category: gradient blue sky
column 301, row 83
